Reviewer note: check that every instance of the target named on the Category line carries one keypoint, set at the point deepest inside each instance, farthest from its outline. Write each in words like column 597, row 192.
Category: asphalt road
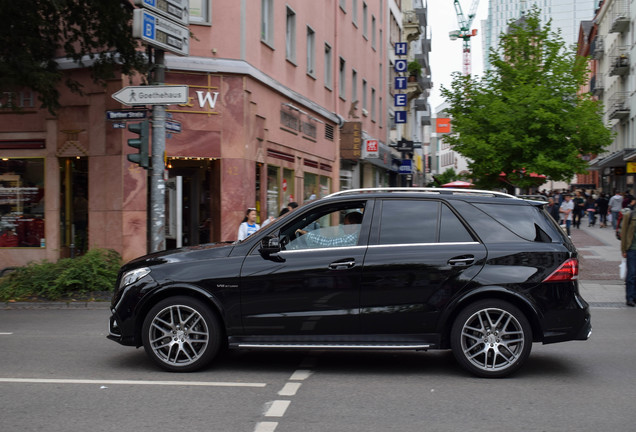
column 58, row 372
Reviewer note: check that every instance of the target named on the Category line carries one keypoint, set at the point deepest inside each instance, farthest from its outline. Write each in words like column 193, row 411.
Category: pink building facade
column 271, row 86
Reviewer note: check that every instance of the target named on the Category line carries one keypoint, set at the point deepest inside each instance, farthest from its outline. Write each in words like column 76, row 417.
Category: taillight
column 568, row 271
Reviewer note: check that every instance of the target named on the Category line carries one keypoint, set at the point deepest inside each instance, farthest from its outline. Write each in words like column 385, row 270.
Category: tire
column 491, row 338
column 181, row 334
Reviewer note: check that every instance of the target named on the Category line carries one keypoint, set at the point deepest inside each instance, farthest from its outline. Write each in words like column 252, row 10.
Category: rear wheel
column 181, row 334
column 491, row 338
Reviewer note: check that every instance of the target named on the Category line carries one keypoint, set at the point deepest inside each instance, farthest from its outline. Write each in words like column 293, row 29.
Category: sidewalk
column 599, row 258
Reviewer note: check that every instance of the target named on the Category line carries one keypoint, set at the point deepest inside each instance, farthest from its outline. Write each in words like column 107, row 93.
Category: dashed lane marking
column 290, row 389
column 277, row 408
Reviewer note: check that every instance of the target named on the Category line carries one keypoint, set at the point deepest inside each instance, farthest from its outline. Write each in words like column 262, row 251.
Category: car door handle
column 465, row 260
column 343, row 264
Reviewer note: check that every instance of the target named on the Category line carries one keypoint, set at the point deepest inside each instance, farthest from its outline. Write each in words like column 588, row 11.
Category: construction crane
column 465, row 32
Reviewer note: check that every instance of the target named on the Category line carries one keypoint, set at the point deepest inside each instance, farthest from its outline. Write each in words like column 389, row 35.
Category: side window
column 325, row 227
column 408, row 222
column 452, row 229
column 526, row 221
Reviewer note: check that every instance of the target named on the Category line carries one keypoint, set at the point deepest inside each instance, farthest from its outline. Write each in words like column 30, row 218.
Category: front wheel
column 491, row 338
column 181, row 334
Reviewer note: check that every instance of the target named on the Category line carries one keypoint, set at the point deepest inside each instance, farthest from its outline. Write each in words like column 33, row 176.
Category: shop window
column 22, row 202
column 325, row 186
column 311, row 187
column 288, row 187
column 273, row 191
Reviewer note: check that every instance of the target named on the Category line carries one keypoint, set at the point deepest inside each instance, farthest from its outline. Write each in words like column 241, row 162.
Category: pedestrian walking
column 601, row 210
column 567, row 207
column 249, row 225
column 628, row 249
column 590, row 208
column 579, row 209
column 615, row 205
column 553, row 209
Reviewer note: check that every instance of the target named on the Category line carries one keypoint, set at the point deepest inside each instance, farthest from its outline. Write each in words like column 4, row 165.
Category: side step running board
column 333, row 346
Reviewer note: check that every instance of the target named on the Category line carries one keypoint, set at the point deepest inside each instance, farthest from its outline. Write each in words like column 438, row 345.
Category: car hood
column 190, row 253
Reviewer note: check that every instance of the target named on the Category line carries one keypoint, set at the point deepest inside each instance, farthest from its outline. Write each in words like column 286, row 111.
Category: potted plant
column 415, row 69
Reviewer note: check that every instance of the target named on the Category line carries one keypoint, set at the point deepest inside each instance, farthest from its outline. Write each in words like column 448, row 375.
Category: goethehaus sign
column 152, row 95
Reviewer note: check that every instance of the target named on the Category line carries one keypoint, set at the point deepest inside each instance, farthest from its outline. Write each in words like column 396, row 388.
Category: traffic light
column 142, row 158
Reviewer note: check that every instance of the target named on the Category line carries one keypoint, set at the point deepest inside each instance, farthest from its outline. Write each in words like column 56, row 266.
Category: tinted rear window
column 507, row 222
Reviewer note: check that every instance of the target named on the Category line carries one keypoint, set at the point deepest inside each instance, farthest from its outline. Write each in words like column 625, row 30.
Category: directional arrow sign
column 161, row 32
column 152, row 95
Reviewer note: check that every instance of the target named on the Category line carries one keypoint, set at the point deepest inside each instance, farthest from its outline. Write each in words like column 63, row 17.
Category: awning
column 612, row 160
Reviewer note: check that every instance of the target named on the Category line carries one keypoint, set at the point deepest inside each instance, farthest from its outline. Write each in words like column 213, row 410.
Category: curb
column 55, row 305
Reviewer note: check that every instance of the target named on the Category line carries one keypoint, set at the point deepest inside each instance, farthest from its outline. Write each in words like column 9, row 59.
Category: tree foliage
column 36, row 33
column 525, row 115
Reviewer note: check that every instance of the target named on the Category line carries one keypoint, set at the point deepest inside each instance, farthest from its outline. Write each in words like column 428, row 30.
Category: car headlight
column 133, row 276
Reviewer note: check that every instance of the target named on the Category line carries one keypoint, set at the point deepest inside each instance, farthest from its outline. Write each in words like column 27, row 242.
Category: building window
column 354, row 12
column 373, row 41
column 328, row 67
column 365, row 13
column 364, row 97
column 372, row 104
column 290, row 36
column 22, row 202
column 200, row 12
column 267, row 22
column 354, row 85
column 380, row 113
column 311, row 52
column 342, row 79
column 343, row 5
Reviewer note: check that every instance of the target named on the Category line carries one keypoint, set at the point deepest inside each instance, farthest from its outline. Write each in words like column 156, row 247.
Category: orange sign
column 443, row 125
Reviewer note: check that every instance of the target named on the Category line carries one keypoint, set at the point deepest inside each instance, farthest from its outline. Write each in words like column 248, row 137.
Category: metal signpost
column 161, row 24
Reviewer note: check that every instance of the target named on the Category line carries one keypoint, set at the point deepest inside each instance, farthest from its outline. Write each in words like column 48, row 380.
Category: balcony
column 597, row 85
column 619, row 62
column 619, row 15
column 411, row 26
column 617, row 108
column 598, row 47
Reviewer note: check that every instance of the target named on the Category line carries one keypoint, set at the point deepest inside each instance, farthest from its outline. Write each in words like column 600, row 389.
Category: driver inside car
column 349, row 234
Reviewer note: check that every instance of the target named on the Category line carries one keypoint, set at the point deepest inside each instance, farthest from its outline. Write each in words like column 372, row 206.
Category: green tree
column 525, row 114
column 37, row 33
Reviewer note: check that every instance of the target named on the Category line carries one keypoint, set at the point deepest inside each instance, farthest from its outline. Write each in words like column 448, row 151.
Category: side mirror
column 270, row 245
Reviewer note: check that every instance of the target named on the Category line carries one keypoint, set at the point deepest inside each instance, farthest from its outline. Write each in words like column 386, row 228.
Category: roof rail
column 429, row 190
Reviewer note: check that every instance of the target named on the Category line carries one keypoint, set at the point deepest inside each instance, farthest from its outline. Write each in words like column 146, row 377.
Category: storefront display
column 22, row 202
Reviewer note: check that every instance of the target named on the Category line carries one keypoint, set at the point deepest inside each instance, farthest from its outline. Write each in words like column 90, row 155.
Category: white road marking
column 265, row 426
column 6, row 333
column 131, row 382
column 300, row 375
column 277, row 408
column 289, row 389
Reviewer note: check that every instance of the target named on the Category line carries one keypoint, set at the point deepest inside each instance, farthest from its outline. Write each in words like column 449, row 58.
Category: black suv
column 483, row 273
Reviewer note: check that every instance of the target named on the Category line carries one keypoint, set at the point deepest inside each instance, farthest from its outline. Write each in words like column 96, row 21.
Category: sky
column 446, row 56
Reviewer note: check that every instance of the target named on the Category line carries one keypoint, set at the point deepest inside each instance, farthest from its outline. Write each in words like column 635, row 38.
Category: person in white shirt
column 566, row 211
column 249, row 225
column 615, row 206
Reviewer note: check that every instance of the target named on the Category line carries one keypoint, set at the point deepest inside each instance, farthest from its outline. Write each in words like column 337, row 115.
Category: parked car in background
column 482, row 273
